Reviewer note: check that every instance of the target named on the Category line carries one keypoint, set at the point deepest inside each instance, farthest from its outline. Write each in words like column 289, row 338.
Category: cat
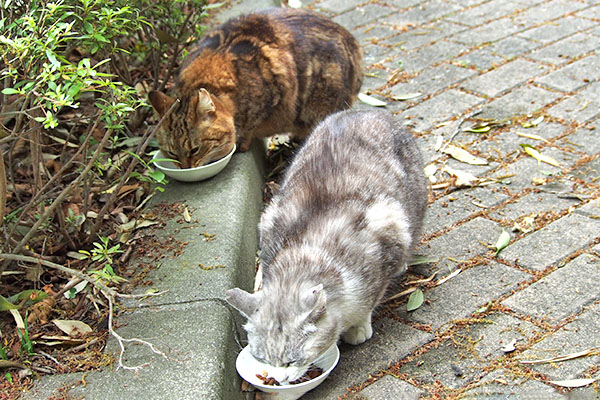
column 275, row 71
column 343, row 223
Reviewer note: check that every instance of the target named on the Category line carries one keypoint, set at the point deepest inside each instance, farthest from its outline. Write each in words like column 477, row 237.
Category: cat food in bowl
column 192, row 174
column 257, row 374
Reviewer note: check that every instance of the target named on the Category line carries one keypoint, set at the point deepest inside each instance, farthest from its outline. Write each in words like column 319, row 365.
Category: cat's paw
column 358, row 334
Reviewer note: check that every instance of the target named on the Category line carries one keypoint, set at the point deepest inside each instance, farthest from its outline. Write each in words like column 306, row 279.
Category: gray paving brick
column 576, row 336
column 462, row 359
column 485, row 12
column 497, row 53
column 503, row 146
column 567, row 49
column 523, row 100
column 439, row 108
column 563, row 292
column 590, row 12
column 482, row 59
column 580, row 107
column 389, row 387
column 425, row 57
column 503, row 385
column 490, row 32
column 338, row 6
column 504, row 78
column 362, row 15
column 512, row 46
column 433, row 80
column 531, row 205
column 589, row 172
column 391, row 341
column 457, row 206
column 574, row 76
column 465, row 293
column 552, row 243
column 426, row 34
column 590, row 209
column 586, row 140
column 547, row 11
column 553, row 31
column 423, row 13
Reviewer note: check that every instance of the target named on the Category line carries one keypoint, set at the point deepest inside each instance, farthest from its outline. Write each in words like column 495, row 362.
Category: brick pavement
column 475, row 61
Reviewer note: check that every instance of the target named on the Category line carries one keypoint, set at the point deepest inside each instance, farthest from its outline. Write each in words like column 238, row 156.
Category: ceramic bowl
column 191, row 174
column 247, row 366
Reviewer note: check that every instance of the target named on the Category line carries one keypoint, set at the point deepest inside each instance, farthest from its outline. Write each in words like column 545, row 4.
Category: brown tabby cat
column 274, row 71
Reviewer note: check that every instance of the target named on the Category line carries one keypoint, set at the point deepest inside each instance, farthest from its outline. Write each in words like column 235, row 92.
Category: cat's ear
column 205, row 103
column 314, row 298
column 244, row 302
column 160, row 101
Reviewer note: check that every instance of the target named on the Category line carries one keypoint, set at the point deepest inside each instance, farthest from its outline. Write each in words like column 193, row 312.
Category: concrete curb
column 191, row 323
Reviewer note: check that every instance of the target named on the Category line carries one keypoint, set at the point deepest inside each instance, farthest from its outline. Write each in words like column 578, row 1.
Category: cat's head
column 286, row 329
column 197, row 131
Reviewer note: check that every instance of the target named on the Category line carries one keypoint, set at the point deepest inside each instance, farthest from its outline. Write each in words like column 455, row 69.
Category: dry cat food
column 312, row 373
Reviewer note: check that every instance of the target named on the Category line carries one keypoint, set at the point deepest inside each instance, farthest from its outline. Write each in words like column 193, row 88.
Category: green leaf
column 372, row 101
column 415, row 300
column 419, row 259
column 52, row 58
column 9, row 91
column 407, row 96
column 157, row 175
column 6, row 305
column 30, row 296
column 502, row 242
column 535, row 153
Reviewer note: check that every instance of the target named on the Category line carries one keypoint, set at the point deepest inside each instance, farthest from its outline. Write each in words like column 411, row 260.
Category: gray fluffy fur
column 342, row 225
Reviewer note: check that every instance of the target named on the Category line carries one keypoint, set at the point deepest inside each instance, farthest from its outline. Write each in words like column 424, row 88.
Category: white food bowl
column 191, row 174
column 247, row 366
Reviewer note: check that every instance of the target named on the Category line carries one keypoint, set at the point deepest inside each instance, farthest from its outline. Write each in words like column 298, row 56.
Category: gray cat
column 342, row 225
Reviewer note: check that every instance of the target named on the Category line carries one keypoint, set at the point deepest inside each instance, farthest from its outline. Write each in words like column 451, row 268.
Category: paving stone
column 391, row 341
column 362, row 15
column 423, row 13
column 589, row 172
column 500, row 385
column 505, row 145
column 563, row 292
column 448, row 210
column 523, row 100
column 433, row 80
column 497, row 53
column 388, row 388
column 424, row 35
column 580, row 107
column 504, row 78
column 482, row 59
column 439, row 108
column 465, row 293
column 369, row 34
column 462, row 358
column 533, row 204
column 552, row 243
column 574, row 76
column 547, row 11
column 338, row 6
column 489, row 32
column 590, row 12
column 586, row 140
column 576, row 336
column 567, row 49
column 521, row 174
column 425, row 57
column 485, row 12
column 399, row 5
column 373, row 53
column 553, row 31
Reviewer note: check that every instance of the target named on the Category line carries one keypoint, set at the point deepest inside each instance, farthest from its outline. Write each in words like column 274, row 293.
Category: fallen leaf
column 510, row 347
column 6, row 305
column 589, row 352
column 294, row 3
column 464, row 156
column 533, row 123
column 372, row 101
column 574, row 383
column 407, row 96
column 502, row 242
column 419, row 259
column 186, row 215
column 533, row 152
column 415, row 300
column 463, row 178
column 445, row 279
column 72, row 327
column 531, row 136
column 402, row 293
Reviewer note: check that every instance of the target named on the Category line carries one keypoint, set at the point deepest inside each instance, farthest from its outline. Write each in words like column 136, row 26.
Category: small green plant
column 103, row 253
column 26, row 343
